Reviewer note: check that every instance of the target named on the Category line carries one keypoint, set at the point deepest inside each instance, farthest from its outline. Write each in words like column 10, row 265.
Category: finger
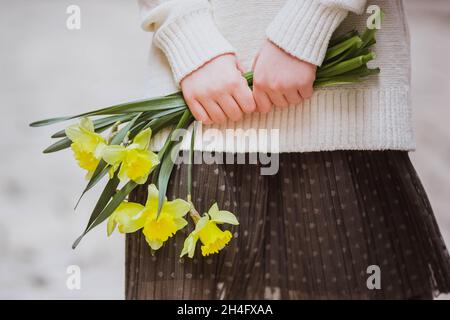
column 244, row 97
column 230, row 107
column 198, row 111
column 278, row 99
column 263, row 102
column 240, row 66
column 306, row 92
column 254, row 61
column 214, row 111
column 293, row 97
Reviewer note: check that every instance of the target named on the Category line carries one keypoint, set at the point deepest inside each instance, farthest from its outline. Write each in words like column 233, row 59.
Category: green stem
column 341, row 38
column 193, row 213
column 354, row 42
column 183, row 121
column 345, row 66
column 190, row 167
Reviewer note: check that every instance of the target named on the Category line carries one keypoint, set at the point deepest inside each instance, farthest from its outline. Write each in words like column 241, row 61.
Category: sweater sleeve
column 303, row 28
column 185, row 31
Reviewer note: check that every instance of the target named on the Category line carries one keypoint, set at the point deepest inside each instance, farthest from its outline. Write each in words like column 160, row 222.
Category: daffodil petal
column 152, row 198
column 213, row 210
column 114, row 154
column 87, row 124
column 142, row 179
column 180, row 223
column 225, row 217
column 154, row 244
column 154, row 159
column 177, row 208
column 201, row 223
column 87, row 139
column 111, row 224
column 142, row 139
column 111, row 171
column 98, row 153
column 122, row 175
column 130, row 217
column 189, row 246
column 74, row 133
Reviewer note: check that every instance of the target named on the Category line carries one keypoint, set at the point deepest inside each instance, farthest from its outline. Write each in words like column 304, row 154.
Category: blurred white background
column 47, row 70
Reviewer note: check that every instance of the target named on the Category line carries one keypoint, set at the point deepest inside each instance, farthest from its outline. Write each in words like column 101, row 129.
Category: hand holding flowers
column 125, row 154
column 281, row 80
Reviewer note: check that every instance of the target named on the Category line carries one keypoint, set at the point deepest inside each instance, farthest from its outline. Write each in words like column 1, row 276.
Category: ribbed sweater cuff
column 190, row 41
column 303, row 28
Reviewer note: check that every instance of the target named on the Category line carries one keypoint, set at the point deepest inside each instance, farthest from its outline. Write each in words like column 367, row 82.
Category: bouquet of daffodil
column 124, row 158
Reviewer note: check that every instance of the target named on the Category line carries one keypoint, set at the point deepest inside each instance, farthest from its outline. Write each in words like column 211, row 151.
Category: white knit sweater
column 373, row 115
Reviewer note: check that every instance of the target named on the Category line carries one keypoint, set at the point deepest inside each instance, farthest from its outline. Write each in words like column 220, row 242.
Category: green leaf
column 154, row 104
column 59, row 145
column 333, row 52
column 345, row 66
column 166, row 155
column 122, row 133
column 49, row 121
column 99, row 124
column 164, row 122
column 158, row 121
column 249, row 77
column 164, row 174
column 341, row 38
column 190, row 164
column 184, row 122
column 108, row 210
column 107, row 193
column 99, row 173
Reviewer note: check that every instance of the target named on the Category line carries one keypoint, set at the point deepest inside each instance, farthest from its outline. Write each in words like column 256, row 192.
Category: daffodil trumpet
column 131, row 217
column 206, row 230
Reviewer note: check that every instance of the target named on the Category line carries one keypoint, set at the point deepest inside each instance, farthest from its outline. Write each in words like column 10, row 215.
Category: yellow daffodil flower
column 87, row 145
column 130, row 217
column 211, row 236
column 135, row 161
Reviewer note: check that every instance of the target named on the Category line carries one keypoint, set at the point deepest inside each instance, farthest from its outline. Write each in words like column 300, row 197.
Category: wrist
column 191, row 41
column 303, row 29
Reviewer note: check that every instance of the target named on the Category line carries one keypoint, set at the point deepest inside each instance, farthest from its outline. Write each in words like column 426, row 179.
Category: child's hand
column 280, row 79
column 217, row 91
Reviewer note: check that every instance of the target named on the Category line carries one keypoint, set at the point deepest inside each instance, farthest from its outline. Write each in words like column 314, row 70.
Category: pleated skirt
column 328, row 225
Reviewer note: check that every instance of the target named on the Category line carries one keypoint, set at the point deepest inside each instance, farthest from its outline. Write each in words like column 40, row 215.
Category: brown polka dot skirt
column 312, row 231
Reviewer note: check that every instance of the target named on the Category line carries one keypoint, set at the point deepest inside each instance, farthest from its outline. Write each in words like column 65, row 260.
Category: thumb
column 240, row 66
column 254, row 62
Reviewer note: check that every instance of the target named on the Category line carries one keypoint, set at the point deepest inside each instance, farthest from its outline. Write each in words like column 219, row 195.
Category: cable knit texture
column 356, row 6
column 372, row 115
column 303, row 28
column 187, row 35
